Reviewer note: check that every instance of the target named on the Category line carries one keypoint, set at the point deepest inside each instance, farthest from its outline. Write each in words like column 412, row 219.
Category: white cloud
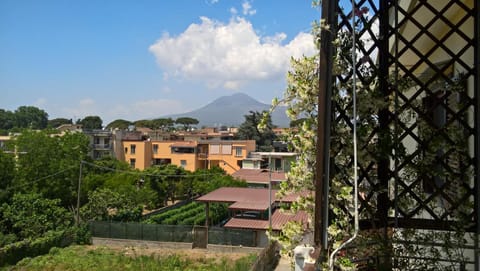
column 247, row 8
column 233, row 11
column 40, row 102
column 228, row 55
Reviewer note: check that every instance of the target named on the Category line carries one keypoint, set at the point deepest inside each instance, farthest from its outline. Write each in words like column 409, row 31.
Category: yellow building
column 191, row 155
column 138, row 153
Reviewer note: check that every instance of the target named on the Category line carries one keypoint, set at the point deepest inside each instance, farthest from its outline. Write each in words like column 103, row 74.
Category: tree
column 165, row 124
column 31, row 215
column 55, row 123
column 144, row 123
column 49, row 165
column 186, row 122
column 30, row 117
column 207, row 180
column 249, row 130
column 91, row 122
column 120, row 124
column 106, row 204
column 7, row 174
column 166, row 181
column 7, row 120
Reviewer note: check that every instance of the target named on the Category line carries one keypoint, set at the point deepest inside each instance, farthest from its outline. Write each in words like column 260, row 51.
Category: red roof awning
column 279, row 219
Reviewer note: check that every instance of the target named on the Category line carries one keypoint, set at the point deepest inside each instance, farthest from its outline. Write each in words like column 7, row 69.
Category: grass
column 79, row 258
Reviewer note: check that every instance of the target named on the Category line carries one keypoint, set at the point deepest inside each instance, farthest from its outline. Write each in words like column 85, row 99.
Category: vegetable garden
column 190, row 214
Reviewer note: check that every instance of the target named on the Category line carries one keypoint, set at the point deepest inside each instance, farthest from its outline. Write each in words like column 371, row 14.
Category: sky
column 143, row 59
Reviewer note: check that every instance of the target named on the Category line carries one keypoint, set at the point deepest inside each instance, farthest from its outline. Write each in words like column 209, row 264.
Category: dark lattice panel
column 422, row 54
column 434, row 114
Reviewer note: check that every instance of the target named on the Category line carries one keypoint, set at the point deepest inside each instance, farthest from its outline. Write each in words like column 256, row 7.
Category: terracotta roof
column 279, row 219
column 258, row 175
column 238, row 194
column 250, row 206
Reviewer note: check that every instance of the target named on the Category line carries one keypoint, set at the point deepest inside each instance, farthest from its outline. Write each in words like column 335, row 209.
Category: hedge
column 14, row 252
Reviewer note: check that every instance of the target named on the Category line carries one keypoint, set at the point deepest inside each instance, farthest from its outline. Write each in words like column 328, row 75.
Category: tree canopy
column 23, row 117
column 49, row 164
column 55, row 123
column 119, row 123
column 187, row 122
column 91, row 122
column 249, row 130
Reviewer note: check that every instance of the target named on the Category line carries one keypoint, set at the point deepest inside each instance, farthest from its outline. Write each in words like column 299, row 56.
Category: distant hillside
column 230, row 111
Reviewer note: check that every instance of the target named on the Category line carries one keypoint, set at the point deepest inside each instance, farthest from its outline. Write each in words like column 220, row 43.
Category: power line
column 148, row 174
column 40, row 179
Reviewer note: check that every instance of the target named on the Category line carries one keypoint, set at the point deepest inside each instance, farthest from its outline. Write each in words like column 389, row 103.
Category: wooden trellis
column 425, row 55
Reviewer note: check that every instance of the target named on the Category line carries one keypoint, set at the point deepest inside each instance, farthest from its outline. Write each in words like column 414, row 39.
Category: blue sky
column 143, row 59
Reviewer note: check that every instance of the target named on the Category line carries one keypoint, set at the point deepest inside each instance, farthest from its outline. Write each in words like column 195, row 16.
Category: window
column 155, row 148
column 106, row 142
column 227, row 149
column 278, row 164
column 183, row 163
column 132, row 149
column 238, row 151
column 97, row 140
column 214, row 149
column 132, row 162
column 161, row 161
column 126, row 150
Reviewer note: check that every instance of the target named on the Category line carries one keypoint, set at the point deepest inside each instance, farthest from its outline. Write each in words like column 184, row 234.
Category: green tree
column 249, row 130
column 166, row 181
column 187, row 122
column 7, row 174
column 31, row 215
column 55, row 123
column 106, row 204
column 91, row 122
column 207, row 180
column 165, row 124
column 120, row 124
column 7, row 119
column 30, row 117
column 144, row 123
column 50, row 164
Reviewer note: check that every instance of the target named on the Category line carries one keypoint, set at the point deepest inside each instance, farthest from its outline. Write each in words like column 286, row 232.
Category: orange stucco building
column 191, row 155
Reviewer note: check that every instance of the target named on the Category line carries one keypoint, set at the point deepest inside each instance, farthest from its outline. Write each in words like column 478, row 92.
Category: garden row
column 190, row 214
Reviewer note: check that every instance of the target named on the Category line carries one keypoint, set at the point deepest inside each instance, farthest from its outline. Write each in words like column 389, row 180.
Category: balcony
column 101, row 146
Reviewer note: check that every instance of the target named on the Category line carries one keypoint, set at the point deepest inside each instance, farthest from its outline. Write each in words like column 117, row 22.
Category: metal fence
column 171, row 233
column 140, row 231
column 231, row 237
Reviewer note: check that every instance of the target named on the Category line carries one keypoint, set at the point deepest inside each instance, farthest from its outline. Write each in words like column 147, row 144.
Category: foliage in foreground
column 82, row 258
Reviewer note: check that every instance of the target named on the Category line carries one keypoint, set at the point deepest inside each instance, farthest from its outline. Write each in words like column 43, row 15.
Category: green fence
column 139, row 231
column 232, row 237
column 171, row 233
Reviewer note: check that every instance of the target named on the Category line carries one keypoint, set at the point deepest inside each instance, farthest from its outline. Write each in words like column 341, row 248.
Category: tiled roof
column 279, row 219
column 238, row 194
column 250, row 206
column 258, row 175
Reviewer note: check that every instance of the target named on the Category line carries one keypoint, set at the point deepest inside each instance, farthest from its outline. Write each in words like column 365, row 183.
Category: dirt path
column 193, row 254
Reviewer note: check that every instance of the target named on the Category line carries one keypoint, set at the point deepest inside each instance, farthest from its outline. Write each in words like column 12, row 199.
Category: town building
column 192, row 155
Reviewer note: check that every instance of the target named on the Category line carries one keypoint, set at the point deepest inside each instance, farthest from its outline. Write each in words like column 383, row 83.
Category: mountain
column 230, row 111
